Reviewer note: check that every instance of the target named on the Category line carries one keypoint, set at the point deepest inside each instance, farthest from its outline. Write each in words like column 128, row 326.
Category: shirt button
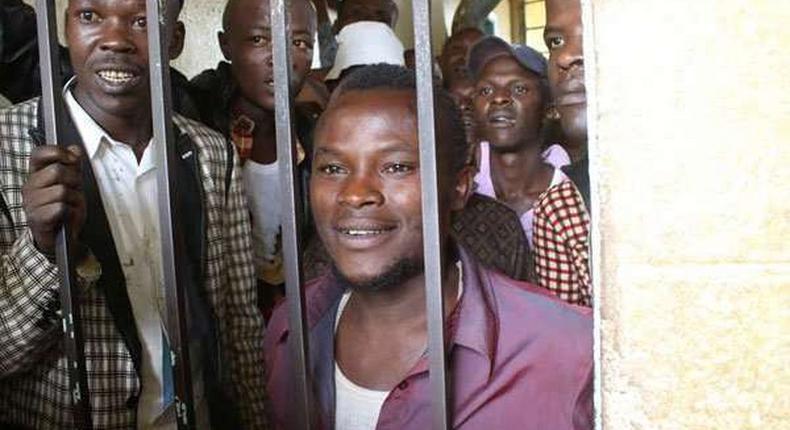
column 403, row 385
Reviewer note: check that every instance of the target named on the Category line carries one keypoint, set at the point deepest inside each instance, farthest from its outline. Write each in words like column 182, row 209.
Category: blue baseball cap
column 491, row 47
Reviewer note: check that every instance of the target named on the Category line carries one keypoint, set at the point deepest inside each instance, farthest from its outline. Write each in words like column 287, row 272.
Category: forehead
column 505, row 66
column 247, row 13
column 360, row 120
column 350, row 5
column 110, row 4
column 464, row 38
column 562, row 13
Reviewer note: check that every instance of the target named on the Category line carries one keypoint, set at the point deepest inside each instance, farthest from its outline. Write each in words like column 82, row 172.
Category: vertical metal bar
column 430, row 213
column 157, row 12
column 52, row 98
column 286, row 156
column 518, row 22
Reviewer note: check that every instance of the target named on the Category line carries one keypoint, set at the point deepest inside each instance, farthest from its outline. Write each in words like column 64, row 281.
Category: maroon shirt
column 519, row 359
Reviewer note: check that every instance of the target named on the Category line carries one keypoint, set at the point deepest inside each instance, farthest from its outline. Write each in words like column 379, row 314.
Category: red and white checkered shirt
column 561, row 231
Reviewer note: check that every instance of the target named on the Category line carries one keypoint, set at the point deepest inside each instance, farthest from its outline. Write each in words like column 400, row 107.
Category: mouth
column 501, row 120
column 118, row 78
column 364, row 235
column 571, row 92
column 571, row 99
column 364, row 232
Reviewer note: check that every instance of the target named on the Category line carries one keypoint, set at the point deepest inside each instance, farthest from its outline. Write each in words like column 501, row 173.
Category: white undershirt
column 356, row 407
column 262, row 185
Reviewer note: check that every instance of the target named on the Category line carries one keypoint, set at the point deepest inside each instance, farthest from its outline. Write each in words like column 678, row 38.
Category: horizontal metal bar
column 286, row 157
column 53, row 109
column 430, row 213
column 169, row 219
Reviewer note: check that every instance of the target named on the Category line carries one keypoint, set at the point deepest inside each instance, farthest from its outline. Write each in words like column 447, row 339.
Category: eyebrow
column 393, row 148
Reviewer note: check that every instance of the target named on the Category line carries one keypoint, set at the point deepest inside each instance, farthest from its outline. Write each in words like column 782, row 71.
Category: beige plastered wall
column 691, row 155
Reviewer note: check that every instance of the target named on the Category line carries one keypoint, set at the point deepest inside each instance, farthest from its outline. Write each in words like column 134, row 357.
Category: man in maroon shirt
column 518, row 358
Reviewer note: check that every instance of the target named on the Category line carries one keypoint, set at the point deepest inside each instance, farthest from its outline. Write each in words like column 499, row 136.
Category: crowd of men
column 511, row 139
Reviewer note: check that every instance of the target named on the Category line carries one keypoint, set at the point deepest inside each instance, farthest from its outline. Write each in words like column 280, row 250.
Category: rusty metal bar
column 430, row 214
column 163, row 139
column 53, row 109
column 286, row 157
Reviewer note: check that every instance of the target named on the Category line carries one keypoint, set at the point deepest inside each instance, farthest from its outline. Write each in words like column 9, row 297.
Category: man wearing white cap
column 363, row 43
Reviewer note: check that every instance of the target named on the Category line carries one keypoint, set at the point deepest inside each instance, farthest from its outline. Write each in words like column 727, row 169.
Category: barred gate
column 161, row 107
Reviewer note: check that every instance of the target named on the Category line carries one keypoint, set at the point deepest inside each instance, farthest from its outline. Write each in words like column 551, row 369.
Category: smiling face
column 563, row 36
column 508, row 105
column 246, row 43
column 365, row 186
column 108, row 45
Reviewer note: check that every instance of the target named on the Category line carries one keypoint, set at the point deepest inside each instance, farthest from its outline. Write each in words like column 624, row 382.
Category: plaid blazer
column 33, row 374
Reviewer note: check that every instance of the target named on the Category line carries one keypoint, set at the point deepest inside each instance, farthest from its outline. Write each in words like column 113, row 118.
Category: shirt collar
column 475, row 324
column 90, row 132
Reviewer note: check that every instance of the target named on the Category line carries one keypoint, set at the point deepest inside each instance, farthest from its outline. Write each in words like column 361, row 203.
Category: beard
column 395, row 275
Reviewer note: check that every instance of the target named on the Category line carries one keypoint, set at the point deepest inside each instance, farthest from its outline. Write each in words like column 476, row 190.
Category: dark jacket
column 213, row 91
column 224, row 322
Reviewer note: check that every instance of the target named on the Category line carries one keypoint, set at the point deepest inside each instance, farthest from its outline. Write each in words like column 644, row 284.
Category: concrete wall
column 691, row 160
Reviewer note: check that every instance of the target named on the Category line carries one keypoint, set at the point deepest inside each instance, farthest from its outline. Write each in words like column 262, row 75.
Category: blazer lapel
column 97, row 236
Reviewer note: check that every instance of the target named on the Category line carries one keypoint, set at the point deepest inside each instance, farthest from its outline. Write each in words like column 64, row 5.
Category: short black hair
column 450, row 131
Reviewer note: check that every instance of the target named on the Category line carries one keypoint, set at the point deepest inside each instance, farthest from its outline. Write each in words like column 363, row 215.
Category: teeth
column 362, row 232
column 115, row 76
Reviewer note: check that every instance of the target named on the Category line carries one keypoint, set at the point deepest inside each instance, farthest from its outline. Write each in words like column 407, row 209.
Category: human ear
column 224, row 45
column 177, row 40
column 462, row 189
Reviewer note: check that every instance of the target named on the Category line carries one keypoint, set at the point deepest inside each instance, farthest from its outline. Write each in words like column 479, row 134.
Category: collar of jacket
column 99, row 236
column 475, row 328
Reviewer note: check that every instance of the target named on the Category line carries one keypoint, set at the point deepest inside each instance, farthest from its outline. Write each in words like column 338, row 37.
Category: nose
column 116, row 38
column 572, row 54
column 360, row 191
column 501, row 97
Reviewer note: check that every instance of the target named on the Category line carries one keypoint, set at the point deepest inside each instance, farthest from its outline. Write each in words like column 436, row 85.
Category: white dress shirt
column 129, row 194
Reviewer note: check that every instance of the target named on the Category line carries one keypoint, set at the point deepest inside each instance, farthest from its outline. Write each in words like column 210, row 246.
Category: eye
column 520, row 89
column 398, row 168
column 88, row 16
column 554, row 42
column 140, row 22
column 331, row 169
column 259, row 40
column 302, row 44
column 485, row 91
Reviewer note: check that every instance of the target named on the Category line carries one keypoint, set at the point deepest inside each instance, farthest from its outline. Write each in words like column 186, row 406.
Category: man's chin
column 391, row 277
column 573, row 120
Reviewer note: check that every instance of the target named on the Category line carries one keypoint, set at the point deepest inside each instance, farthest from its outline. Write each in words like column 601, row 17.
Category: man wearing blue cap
column 510, row 100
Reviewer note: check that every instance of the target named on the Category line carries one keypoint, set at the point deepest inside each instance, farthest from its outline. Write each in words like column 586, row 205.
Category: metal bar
column 518, row 22
column 52, row 98
column 157, row 12
column 286, row 156
column 430, row 214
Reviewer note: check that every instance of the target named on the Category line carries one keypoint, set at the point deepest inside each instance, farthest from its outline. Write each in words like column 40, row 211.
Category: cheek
column 478, row 108
column 406, row 196
column 322, row 197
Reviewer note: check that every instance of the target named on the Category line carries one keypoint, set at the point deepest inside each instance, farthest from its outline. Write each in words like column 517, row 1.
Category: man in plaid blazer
column 37, row 181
